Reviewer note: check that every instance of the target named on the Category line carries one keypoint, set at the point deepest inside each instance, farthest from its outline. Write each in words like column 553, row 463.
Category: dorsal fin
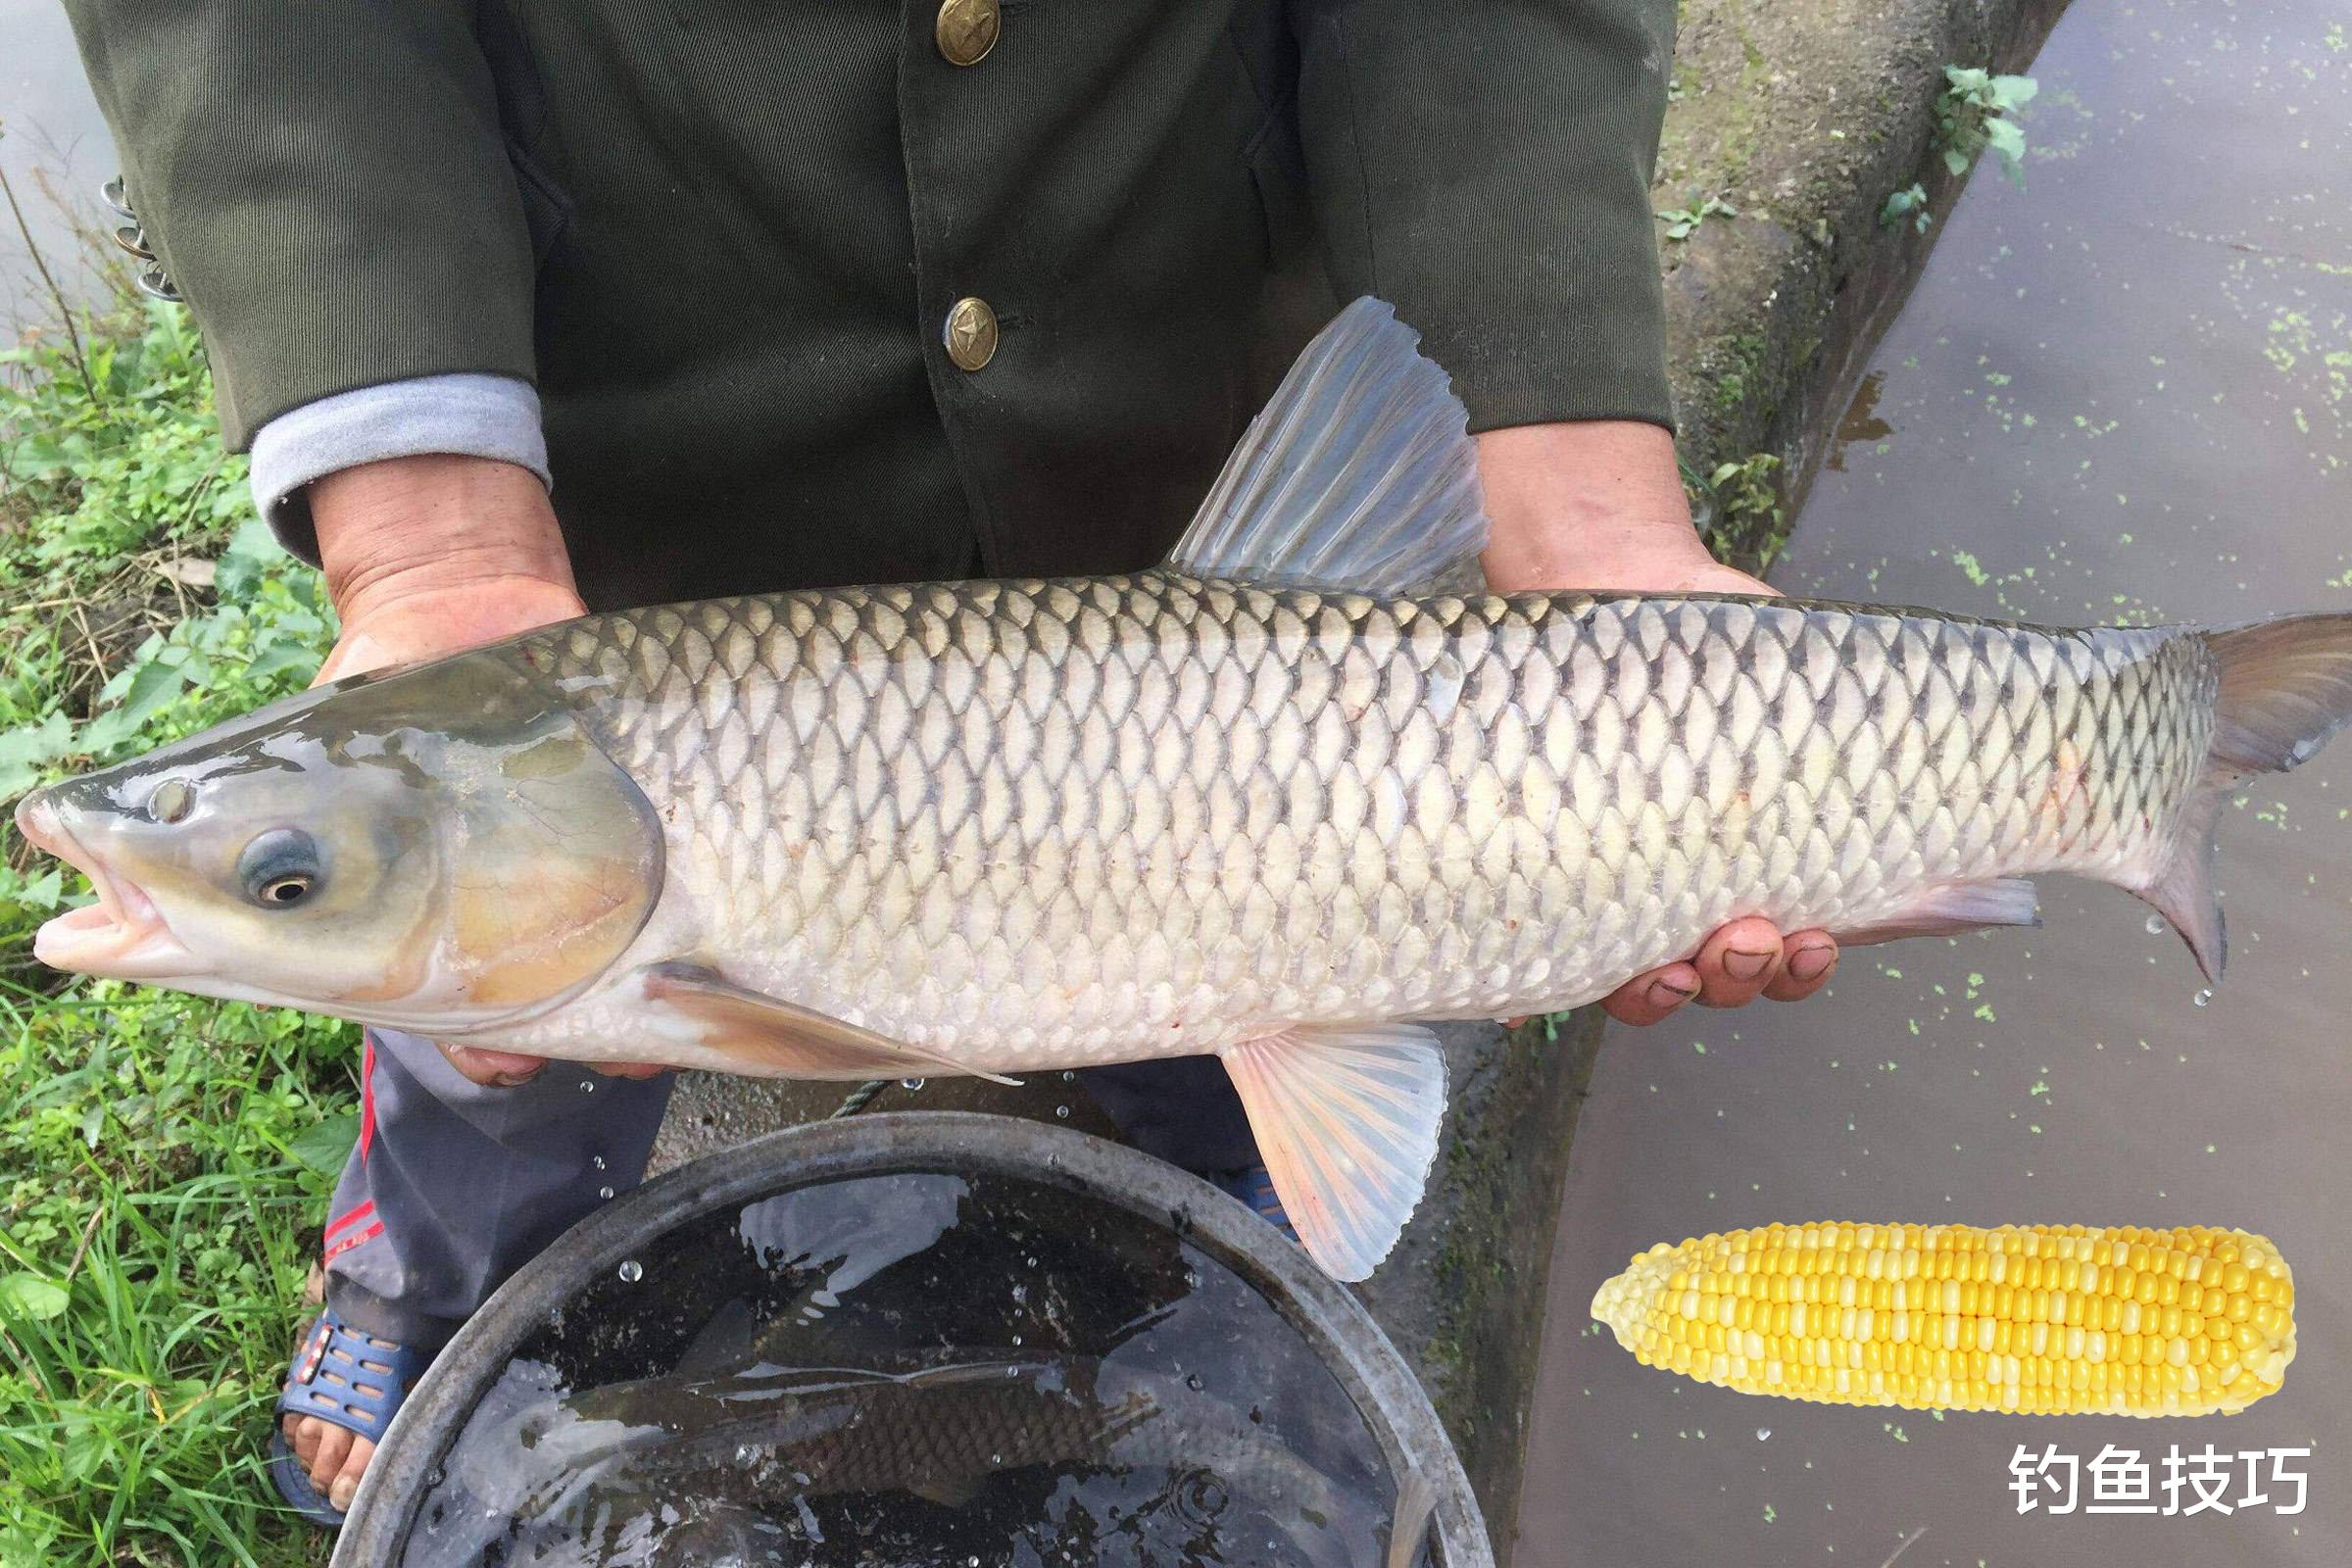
column 1359, row 474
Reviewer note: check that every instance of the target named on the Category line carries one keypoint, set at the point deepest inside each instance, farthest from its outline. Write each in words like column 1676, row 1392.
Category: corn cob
column 2044, row 1319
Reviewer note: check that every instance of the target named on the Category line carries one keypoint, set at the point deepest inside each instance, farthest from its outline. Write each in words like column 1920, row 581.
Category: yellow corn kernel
column 2044, row 1319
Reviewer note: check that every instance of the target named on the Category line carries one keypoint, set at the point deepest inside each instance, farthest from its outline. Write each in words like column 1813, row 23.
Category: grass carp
column 1281, row 799
column 668, row 1462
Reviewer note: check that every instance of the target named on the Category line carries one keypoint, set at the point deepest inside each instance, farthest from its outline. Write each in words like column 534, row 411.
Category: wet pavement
column 50, row 128
column 2123, row 393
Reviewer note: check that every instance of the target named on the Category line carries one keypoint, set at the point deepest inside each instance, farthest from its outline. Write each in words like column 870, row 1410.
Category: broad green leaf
column 252, row 555
column 22, row 896
column 26, row 748
column 153, row 684
column 28, row 1296
column 2013, row 92
column 283, row 656
column 324, row 1145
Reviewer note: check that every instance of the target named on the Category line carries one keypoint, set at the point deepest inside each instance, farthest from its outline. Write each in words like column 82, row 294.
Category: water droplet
column 631, row 1271
column 910, row 1085
column 1069, row 1077
column 1763, row 1433
column 746, row 1454
column 1193, row 1381
column 436, row 1478
column 1061, row 1112
column 1016, row 1338
column 598, row 1163
column 2202, row 997
column 2155, row 925
column 587, row 1086
column 603, row 1193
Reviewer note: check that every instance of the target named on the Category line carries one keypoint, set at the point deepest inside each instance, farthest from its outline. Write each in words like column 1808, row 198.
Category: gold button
column 966, row 29
column 971, row 333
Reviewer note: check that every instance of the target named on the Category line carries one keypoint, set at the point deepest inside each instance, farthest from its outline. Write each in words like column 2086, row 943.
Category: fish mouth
column 122, row 936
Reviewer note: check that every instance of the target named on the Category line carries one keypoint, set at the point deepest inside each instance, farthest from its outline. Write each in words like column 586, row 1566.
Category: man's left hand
column 1599, row 505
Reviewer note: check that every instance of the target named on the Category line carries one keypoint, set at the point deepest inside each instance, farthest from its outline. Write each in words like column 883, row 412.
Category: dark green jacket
column 721, row 239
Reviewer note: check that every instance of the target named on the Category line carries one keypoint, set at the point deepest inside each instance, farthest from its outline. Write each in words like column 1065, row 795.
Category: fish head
column 440, row 848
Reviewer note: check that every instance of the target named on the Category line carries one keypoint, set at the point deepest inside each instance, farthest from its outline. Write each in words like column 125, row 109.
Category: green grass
column 164, row 1159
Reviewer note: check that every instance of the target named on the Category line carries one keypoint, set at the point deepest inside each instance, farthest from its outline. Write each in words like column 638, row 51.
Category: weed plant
column 163, row 1159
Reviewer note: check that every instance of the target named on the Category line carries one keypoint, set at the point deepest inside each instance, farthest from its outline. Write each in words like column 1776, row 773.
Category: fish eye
column 170, row 801
column 280, row 868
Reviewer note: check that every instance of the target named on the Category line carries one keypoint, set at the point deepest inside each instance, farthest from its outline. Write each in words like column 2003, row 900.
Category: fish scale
column 1152, row 814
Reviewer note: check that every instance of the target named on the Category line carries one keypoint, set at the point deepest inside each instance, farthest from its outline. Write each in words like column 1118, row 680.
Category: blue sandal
column 350, row 1379
column 1256, row 1188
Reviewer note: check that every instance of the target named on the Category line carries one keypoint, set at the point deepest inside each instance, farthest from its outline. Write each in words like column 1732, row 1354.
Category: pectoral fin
column 786, row 1039
column 1347, row 1120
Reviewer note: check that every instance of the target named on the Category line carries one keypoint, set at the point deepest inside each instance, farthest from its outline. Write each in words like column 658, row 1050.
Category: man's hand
column 1601, row 505
column 429, row 556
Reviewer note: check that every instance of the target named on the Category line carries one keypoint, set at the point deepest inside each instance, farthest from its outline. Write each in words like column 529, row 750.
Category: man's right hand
column 429, row 556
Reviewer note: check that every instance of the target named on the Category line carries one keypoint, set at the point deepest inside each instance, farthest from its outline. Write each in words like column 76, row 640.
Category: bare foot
column 335, row 1456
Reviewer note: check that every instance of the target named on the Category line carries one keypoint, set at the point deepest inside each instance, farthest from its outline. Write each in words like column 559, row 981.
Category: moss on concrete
column 1805, row 117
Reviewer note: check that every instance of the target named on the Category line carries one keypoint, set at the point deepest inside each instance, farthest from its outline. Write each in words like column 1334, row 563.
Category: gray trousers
column 453, row 1186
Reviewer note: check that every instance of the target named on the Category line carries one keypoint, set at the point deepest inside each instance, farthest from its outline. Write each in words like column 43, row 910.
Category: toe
column 1738, row 961
column 346, row 1484
column 302, row 1435
column 326, row 1461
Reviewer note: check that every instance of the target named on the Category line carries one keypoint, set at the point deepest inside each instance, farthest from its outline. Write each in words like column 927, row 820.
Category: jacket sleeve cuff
column 1485, row 168
column 467, row 414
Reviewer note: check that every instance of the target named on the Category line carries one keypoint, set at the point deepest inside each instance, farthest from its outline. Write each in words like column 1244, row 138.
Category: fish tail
column 2284, row 689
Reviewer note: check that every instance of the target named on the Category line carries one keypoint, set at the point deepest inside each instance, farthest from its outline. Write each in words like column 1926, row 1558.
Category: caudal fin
column 2285, row 689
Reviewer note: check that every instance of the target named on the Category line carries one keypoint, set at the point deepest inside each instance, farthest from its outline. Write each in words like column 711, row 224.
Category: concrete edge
column 1806, row 118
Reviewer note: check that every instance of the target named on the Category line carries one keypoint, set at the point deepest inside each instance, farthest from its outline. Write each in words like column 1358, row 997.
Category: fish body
column 1277, row 800
column 722, row 1450
column 769, row 1434
column 1061, row 823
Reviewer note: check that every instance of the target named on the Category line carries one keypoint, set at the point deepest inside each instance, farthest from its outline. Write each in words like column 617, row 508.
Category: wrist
column 1585, row 505
column 436, row 525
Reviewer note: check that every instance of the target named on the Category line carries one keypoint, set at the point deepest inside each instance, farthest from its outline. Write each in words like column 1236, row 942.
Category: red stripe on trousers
column 367, row 1094
column 355, row 1238
column 344, row 1221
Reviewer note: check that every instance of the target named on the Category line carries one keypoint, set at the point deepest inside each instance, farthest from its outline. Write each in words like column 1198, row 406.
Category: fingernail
column 343, row 1491
column 1812, row 963
column 512, row 1080
column 1742, row 965
column 1666, row 993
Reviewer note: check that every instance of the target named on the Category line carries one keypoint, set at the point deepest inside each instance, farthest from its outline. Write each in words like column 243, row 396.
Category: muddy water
column 53, row 130
column 2122, row 393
